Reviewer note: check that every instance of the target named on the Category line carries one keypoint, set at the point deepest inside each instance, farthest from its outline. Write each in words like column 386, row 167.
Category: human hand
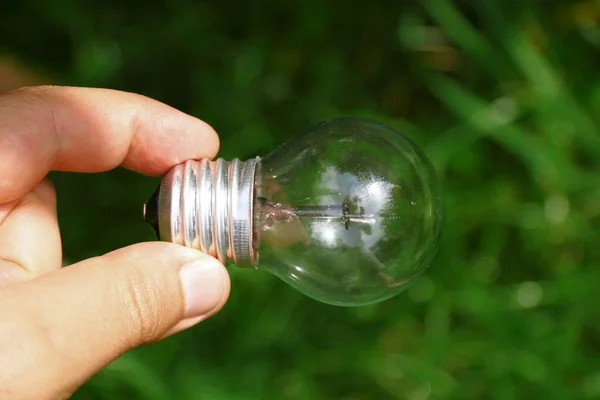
column 59, row 326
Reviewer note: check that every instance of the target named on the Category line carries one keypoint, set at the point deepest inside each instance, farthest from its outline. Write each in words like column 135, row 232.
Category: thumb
column 59, row 329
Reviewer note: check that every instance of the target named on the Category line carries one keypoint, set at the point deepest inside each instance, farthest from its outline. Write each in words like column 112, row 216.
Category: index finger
column 92, row 130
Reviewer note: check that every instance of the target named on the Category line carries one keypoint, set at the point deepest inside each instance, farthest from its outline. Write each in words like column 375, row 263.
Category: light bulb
column 348, row 213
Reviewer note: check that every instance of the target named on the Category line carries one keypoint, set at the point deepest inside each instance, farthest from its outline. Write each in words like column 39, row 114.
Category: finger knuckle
column 141, row 305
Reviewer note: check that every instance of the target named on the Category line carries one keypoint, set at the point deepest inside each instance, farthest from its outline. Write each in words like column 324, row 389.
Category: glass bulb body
column 349, row 213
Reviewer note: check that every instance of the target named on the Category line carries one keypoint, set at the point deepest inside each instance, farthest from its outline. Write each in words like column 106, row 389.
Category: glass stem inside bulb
column 273, row 212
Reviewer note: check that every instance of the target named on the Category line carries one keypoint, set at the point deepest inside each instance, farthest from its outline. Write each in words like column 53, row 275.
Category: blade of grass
column 465, row 35
column 554, row 100
column 540, row 159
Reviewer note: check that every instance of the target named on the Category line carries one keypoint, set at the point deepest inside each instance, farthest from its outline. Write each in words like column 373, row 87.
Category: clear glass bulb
column 348, row 213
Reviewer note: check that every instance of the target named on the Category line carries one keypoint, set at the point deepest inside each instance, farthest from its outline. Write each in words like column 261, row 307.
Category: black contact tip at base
column 151, row 212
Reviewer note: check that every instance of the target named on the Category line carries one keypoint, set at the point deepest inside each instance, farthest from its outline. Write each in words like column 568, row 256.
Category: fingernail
column 203, row 283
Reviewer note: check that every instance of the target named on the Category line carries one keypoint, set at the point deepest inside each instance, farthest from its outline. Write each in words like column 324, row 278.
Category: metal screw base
column 208, row 205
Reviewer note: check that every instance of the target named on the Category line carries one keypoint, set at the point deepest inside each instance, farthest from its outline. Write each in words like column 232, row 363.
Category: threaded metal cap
column 207, row 205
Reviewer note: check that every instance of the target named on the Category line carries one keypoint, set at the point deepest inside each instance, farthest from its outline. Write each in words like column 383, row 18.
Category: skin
column 59, row 326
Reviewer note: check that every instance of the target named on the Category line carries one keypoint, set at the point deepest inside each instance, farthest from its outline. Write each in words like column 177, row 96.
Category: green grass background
column 503, row 95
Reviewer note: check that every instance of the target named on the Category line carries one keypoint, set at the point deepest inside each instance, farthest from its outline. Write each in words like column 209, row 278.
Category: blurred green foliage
column 502, row 95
